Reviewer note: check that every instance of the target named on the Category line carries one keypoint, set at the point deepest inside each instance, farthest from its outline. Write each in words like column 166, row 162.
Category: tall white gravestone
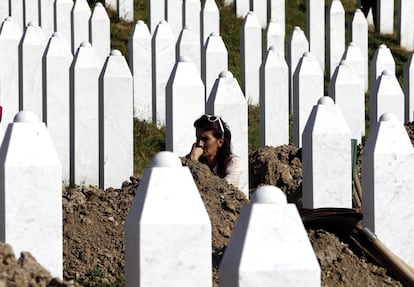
column 192, row 11
column 387, row 166
column 31, row 50
column 100, row 32
column 251, row 57
column 31, row 192
column 275, row 36
column 315, row 22
column 277, row 13
column 227, row 100
column 408, row 88
column 382, row 60
column 327, row 158
column 116, row 141
column 63, row 14
column 167, row 211
column 84, row 125
column 210, row 20
column 269, row 245
column 56, row 94
column 242, row 8
column 156, row 13
column 4, row 9
column 16, row 11
column 308, row 89
column 336, row 35
column 185, row 89
column 359, row 36
column 31, row 12
column 174, row 15
column 385, row 17
column 163, row 60
column 259, row 7
column 188, row 45
column 274, row 99
column 47, row 16
column 214, row 61
column 10, row 35
column 126, row 10
column 80, row 23
column 406, row 24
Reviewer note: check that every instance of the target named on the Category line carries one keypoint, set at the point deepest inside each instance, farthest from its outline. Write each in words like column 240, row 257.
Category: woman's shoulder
column 235, row 161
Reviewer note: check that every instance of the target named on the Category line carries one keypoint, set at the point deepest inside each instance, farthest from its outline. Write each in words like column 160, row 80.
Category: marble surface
column 31, row 12
column 386, row 177
column 269, row 244
column 174, row 16
column 57, row 60
column 242, row 7
column 63, row 10
column 188, row 45
column 185, row 89
column 214, row 61
column 227, row 101
column 385, row 17
column 308, row 89
column 84, row 116
column 16, row 11
column 251, row 57
column 80, row 21
column 117, row 142
column 156, row 12
column 382, row 60
column 297, row 45
column 163, row 47
column 210, row 20
column 31, row 173
column 347, row 91
column 47, row 15
column 32, row 47
column 166, row 212
column 192, row 11
column 274, row 100
column 140, row 62
column 4, row 9
column 315, row 19
column 277, row 12
column 326, row 158
column 405, row 24
column 259, row 7
column 100, row 33
column 408, row 75
column 9, row 69
column 359, row 36
column 275, row 36
column 126, row 10
column 335, row 35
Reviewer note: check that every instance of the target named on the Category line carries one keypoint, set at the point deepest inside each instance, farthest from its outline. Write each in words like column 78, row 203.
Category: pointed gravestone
column 84, row 104
column 185, row 80
column 346, row 90
column 100, row 33
column 167, row 202
column 406, row 24
column 408, row 89
column 16, row 11
column 156, row 12
column 359, row 36
column 210, row 20
column 192, row 11
column 259, row 7
column 269, row 244
column 31, row 192
column 251, row 57
column 47, row 16
column 10, row 35
column 4, row 9
column 298, row 44
column 315, row 19
column 385, row 17
column 242, row 8
column 80, row 23
column 382, row 60
column 387, row 182
column 31, row 12
column 275, row 36
column 214, row 61
column 63, row 20
column 140, row 62
column 174, row 15
column 326, row 156
column 274, row 100
column 336, row 35
column 163, row 60
column 56, row 94
column 308, row 89
column 115, row 122
column 227, row 100
column 277, row 12
column 126, row 10
column 32, row 47
column 388, row 98
column 188, row 45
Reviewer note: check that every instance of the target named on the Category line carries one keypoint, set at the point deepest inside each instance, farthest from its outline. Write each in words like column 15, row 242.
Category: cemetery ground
column 93, row 223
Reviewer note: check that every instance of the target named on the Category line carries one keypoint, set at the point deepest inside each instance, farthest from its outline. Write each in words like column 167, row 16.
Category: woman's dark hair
column 220, row 130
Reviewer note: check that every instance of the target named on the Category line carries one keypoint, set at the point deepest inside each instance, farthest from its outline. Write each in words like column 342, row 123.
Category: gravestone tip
column 297, row 28
column 386, row 73
column 185, row 59
column 32, row 24
column 382, row 46
column 388, row 117
column 25, row 117
column 226, row 74
column 140, row 22
column 57, row 35
column 213, row 34
column 86, row 44
column 116, row 52
column 98, row 4
column 326, row 101
column 165, row 159
column 9, row 18
column 269, row 194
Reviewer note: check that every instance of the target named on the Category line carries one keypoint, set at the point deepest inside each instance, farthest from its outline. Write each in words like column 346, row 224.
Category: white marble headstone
column 100, row 32
column 174, row 15
column 382, row 60
column 188, row 45
column 80, row 23
column 259, row 7
column 359, row 36
column 336, row 35
column 406, row 24
column 277, row 12
column 210, row 20
column 315, row 20
column 408, row 88
column 156, row 13
column 47, row 14
column 63, row 20
column 385, row 17
column 275, row 36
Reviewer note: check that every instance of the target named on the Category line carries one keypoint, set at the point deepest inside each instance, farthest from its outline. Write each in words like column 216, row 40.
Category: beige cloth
column 234, row 170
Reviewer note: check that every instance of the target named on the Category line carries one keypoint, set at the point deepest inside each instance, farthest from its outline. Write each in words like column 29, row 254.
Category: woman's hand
column 196, row 151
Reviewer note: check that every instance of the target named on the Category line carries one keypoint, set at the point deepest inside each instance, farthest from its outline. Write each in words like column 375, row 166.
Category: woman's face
column 209, row 143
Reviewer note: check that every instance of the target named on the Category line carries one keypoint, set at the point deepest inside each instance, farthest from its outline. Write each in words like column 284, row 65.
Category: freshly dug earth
column 93, row 222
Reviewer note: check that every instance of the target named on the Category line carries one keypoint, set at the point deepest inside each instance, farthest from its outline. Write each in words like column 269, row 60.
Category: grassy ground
column 149, row 139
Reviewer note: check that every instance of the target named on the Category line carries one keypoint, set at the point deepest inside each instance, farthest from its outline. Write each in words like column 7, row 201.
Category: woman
column 213, row 148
